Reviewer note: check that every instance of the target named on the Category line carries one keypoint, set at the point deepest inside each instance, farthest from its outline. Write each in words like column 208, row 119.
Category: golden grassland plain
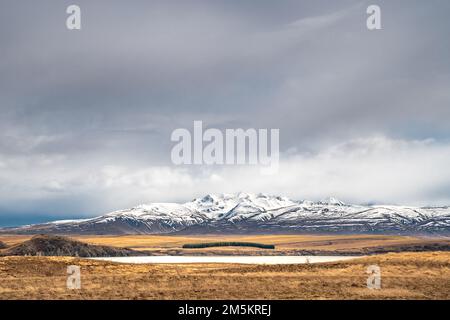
column 415, row 275
column 285, row 244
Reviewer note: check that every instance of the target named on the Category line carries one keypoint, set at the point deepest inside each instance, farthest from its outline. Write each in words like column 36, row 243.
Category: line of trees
column 227, row 244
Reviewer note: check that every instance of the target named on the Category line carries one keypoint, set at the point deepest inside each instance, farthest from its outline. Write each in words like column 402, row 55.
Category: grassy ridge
column 227, row 244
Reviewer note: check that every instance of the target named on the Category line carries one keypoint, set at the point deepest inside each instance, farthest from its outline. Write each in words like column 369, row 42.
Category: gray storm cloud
column 87, row 115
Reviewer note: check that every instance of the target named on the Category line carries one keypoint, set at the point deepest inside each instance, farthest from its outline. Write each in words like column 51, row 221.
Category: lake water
column 229, row 259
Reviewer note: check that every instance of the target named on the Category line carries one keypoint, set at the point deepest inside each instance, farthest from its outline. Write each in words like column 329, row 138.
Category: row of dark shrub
column 227, row 244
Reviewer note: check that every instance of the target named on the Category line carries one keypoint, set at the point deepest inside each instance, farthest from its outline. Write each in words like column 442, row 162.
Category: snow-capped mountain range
column 255, row 213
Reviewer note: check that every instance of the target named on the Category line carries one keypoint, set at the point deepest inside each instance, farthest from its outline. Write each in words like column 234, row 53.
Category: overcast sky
column 86, row 116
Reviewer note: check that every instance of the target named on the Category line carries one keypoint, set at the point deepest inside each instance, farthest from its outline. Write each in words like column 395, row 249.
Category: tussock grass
column 424, row 275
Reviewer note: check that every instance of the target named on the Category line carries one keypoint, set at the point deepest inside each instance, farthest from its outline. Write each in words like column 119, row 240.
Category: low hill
column 46, row 245
column 3, row 245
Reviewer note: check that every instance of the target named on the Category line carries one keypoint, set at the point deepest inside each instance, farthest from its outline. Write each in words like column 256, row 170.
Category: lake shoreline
column 265, row 260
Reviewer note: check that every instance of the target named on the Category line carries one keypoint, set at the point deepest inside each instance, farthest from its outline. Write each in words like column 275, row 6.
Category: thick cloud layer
column 87, row 115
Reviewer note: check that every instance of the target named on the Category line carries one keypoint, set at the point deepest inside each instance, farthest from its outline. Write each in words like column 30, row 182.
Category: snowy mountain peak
column 209, row 198
column 218, row 206
column 333, row 202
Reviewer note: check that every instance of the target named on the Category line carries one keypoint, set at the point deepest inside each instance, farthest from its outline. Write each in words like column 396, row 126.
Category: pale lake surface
column 229, row 259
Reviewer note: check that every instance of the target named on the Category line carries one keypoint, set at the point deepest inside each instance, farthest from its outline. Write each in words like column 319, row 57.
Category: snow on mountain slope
column 256, row 213
column 237, row 207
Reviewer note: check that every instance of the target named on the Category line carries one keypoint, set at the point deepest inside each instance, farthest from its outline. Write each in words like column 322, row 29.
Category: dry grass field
column 404, row 276
column 413, row 275
column 285, row 244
